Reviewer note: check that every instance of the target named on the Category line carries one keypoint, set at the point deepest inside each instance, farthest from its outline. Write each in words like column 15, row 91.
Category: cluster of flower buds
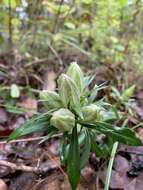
column 68, row 100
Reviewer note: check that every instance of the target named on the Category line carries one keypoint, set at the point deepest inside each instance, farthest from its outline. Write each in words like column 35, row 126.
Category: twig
column 19, row 167
column 109, row 170
column 37, row 170
column 138, row 125
column 36, row 62
column 29, row 139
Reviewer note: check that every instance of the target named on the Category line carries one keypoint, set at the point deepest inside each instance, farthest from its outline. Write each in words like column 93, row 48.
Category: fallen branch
column 18, row 167
column 38, row 170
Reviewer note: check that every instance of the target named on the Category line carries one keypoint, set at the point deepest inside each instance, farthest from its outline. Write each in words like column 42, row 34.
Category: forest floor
column 19, row 159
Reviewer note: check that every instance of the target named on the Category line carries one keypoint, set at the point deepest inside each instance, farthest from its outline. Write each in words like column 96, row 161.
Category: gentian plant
column 74, row 111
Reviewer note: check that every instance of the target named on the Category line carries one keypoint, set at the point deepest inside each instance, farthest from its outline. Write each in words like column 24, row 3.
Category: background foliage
column 97, row 31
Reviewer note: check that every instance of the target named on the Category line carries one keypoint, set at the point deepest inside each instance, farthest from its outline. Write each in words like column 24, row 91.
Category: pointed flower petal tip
column 76, row 74
column 68, row 91
column 63, row 119
column 51, row 99
column 91, row 113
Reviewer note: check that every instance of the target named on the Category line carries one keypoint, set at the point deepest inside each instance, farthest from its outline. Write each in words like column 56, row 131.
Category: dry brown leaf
column 139, row 95
column 3, row 186
column 140, row 133
column 139, row 182
column 3, row 116
column 131, row 185
column 138, row 110
column 30, row 105
column 118, row 180
column 121, row 164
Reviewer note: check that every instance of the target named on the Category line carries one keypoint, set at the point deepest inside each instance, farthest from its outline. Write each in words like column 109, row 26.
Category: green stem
column 110, row 165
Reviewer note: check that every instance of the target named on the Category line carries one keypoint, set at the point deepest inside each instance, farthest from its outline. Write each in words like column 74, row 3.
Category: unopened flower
column 76, row 74
column 91, row 113
column 68, row 92
column 50, row 99
column 63, row 119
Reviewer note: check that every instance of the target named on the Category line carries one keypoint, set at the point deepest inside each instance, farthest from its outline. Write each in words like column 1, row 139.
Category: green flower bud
column 75, row 73
column 50, row 99
column 68, row 92
column 63, row 119
column 91, row 113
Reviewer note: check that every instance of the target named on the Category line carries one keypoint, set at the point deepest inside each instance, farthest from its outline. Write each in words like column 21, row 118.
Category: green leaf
column 1, row 40
column 64, row 148
column 100, row 150
column 123, row 135
column 12, row 3
column 97, row 149
column 86, row 150
column 128, row 93
column 123, row 2
column 14, row 91
column 73, row 162
column 95, row 91
column 14, row 109
column 70, row 25
column 37, row 124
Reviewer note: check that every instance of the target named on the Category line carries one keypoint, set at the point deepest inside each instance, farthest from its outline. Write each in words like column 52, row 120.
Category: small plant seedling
column 73, row 111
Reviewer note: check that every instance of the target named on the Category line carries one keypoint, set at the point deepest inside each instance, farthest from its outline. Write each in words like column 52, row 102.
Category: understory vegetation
column 71, row 78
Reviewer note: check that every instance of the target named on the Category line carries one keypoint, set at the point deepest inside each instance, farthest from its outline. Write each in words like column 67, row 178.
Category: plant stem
column 109, row 170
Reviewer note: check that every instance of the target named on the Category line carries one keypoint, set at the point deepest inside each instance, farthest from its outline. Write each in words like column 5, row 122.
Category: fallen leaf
column 5, row 132
column 121, row 164
column 139, row 182
column 138, row 110
column 3, row 186
column 140, row 133
column 117, row 181
column 139, row 95
column 4, row 171
column 3, row 116
column 131, row 185
column 30, row 105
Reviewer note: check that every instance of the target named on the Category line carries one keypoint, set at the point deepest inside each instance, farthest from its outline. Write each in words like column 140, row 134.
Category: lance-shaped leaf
column 73, row 162
column 128, row 93
column 86, row 150
column 37, row 124
column 120, row 134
